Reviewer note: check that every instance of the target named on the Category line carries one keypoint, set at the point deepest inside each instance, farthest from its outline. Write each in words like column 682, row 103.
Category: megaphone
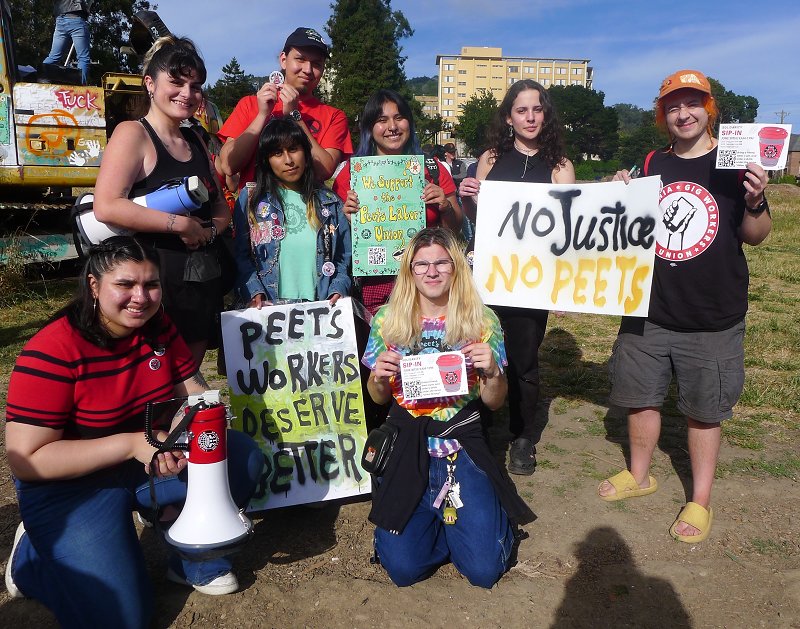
column 210, row 523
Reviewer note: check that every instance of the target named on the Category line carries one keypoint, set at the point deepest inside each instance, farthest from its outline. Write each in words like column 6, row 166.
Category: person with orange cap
column 694, row 330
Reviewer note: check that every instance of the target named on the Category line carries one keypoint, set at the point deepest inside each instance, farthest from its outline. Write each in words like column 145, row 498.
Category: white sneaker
column 13, row 590
column 224, row 584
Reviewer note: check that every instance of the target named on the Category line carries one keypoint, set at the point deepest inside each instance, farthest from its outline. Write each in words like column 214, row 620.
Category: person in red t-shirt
column 303, row 63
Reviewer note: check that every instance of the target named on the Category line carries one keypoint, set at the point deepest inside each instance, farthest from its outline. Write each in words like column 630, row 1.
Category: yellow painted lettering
column 600, row 284
column 497, row 268
column 564, row 275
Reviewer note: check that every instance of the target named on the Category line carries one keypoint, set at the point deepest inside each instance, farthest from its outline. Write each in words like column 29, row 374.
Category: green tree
column 423, row 85
column 231, row 86
column 365, row 53
column 630, row 117
column 637, row 143
column 590, row 128
column 109, row 22
column 474, row 120
column 733, row 107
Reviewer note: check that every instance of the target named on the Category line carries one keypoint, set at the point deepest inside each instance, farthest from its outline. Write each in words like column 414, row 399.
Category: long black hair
column 280, row 134
column 177, row 56
column 81, row 312
column 550, row 142
column 374, row 110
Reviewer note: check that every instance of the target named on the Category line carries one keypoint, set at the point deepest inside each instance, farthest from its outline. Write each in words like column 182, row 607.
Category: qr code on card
column 412, row 390
column 376, row 256
column 727, row 159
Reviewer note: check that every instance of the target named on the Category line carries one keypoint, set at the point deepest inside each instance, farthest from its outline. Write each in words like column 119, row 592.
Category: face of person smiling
column 288, row 164
column 177, row 97
column 391, row 130
column 686, row 117
column 303, row 68
column 434, row 282
column 127, row 296
column 527, row 117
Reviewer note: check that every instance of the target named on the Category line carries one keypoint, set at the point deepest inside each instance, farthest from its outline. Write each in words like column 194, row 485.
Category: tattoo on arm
column 171, row 222
column 200, row 381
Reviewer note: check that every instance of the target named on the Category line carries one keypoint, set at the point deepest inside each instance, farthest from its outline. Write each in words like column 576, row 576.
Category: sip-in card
column 765, row 144
column 434, row 375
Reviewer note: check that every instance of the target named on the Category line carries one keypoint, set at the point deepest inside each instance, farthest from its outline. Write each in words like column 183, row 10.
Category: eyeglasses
column 441, row 266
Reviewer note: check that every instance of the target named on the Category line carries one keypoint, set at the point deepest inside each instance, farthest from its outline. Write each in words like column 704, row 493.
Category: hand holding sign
column 482, row 358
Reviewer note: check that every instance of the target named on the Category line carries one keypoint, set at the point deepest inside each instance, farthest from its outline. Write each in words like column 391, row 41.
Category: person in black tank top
column 695, row 325
column 140, row 157
column 525, row 145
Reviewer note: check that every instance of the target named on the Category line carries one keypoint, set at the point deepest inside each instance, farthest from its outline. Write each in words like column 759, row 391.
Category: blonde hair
column 466, row 316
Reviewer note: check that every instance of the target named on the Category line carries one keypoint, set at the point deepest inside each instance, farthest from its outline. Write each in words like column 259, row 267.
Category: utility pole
column 782, row 114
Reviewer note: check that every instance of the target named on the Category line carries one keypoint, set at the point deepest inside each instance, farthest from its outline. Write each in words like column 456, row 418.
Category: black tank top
column 167, row 168
column 511, row 166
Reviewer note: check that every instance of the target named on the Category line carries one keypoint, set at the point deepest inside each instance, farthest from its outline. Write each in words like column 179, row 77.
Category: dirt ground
column 585, row 563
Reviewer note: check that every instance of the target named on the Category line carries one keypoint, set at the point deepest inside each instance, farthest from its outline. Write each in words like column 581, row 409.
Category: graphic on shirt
column 689, row 223
column 294, row 215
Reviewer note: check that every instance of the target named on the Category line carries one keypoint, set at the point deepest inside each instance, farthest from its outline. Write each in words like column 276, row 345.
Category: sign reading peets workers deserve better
column 391, row 210
column 295, row 387
column 574, row 247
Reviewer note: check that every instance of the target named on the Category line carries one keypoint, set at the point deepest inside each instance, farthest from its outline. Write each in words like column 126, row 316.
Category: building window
column 447, row 112
column 481, row 65
column 448, row 90
column 480, row 76
column 545, row 82
column 577, row 70
column 576, row 83
column 561, row 70
column 462, row 83
column 513, row 68
column 448, row 101
column 462, row 94
column 462, row 71
column 544, row 70
column 449, row 66
column 448, row 79
column 497, row 78
column 529, row 70
column 561, row 82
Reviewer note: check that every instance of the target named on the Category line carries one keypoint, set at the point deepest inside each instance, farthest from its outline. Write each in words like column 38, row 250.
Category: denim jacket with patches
column 257, row 267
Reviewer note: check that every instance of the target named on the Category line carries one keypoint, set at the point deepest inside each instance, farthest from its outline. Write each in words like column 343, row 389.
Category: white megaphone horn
column 210, row 523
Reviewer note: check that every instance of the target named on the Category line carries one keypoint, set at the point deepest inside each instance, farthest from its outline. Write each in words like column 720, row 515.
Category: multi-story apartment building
column 478, row 68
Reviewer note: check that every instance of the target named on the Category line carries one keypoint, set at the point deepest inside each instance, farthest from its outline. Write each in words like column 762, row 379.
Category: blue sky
column 750, row 48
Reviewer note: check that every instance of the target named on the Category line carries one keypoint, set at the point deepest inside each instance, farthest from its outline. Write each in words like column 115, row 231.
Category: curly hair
column 550, row 142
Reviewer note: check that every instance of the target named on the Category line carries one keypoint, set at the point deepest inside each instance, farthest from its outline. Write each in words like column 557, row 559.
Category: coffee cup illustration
column 450, row 371
column 770, row 145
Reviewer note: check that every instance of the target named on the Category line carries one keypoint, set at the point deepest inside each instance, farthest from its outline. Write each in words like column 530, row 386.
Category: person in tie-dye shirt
column 442, row 496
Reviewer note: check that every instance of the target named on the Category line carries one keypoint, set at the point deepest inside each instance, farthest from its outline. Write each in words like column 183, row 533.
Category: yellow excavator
column 53, row 132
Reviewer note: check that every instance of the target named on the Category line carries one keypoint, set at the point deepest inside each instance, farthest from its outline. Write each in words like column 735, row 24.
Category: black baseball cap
column 305, row 37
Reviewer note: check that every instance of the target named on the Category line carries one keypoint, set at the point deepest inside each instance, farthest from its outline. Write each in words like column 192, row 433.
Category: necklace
column 527, row 153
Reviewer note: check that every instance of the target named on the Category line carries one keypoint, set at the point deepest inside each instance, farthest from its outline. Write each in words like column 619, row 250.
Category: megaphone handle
column 170, row 443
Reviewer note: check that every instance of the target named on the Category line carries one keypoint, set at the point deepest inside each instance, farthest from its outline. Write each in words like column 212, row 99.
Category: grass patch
column 745, row 432
column 551, row 447
column 787, row 466
column 546, row 464
column 770, row 547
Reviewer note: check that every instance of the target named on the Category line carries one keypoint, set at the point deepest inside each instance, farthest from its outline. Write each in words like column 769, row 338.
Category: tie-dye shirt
column 433, row 331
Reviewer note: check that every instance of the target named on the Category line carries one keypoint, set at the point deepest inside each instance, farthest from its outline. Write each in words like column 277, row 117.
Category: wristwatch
column 295, row 115
column 760, row 208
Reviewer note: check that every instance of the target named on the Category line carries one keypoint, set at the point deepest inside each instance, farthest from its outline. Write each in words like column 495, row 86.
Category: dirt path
column 586, row 563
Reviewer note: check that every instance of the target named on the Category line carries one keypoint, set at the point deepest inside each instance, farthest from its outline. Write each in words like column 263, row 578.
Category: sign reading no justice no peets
column 573, row 247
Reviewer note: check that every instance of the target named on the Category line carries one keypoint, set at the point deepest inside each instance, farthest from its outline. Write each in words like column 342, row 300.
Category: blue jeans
column 81, row 555
column 71, row 29
column 479, row 543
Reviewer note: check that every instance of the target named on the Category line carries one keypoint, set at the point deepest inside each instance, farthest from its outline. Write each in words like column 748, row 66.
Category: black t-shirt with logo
column 700, row 279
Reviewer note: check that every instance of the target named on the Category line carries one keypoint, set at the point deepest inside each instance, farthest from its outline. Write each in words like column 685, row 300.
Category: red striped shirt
column 64, row 382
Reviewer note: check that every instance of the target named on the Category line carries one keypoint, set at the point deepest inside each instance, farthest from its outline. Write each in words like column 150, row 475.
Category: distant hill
column 423, row 85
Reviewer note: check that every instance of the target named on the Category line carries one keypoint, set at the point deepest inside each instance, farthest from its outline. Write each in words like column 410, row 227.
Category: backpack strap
column 647, row 162
column 432, row 168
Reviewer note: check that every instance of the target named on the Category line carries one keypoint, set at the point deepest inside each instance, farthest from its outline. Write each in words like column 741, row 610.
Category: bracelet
column 213, row 233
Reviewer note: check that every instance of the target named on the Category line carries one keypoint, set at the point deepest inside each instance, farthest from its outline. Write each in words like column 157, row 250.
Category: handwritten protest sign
column 295, row 387
column 765, row 144
column 576, row 247
column 389, row 190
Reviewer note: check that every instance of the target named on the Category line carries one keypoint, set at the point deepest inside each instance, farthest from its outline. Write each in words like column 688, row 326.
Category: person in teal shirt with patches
column 292, row 239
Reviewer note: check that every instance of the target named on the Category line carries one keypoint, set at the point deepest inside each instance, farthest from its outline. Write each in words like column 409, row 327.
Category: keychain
column 453, row 495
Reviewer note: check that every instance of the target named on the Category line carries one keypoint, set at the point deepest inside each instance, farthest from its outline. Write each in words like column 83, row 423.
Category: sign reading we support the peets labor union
column 574, row 247
column 391, row 210
column 295, row 387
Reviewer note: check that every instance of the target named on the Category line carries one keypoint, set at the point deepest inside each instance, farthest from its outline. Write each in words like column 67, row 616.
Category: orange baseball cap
column 681, row 79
